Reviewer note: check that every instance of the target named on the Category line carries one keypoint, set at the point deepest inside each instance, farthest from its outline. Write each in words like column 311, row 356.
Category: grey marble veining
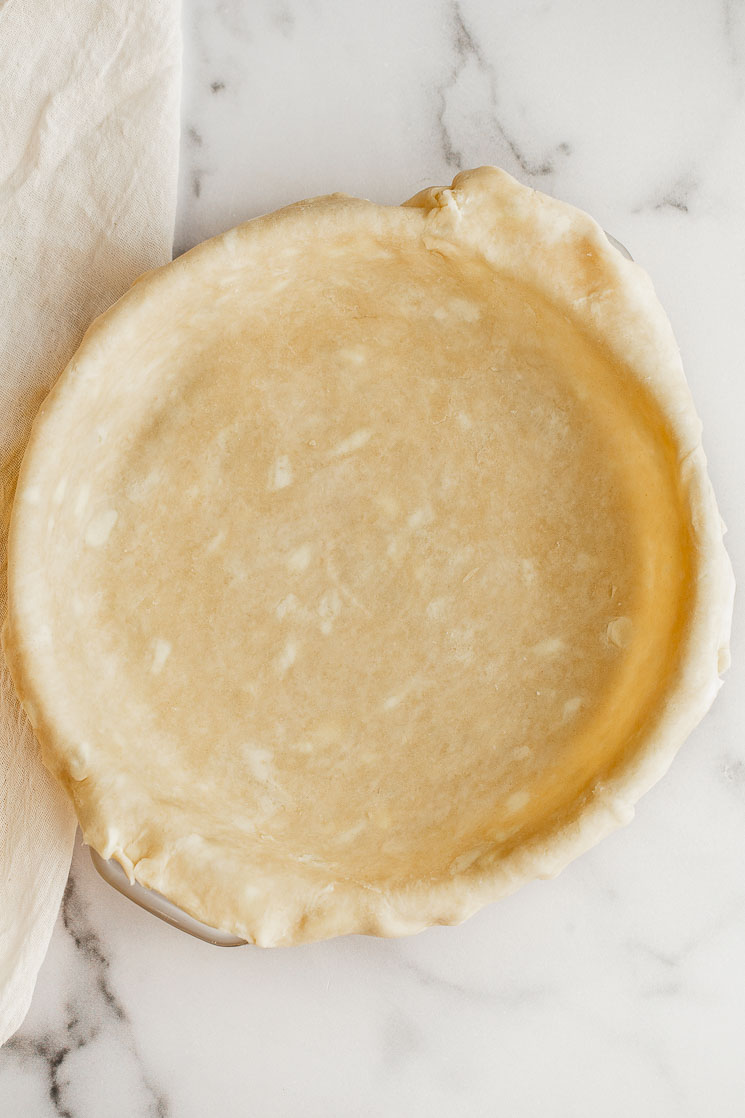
column 469, row 103
column 619, row 987
column 93, row 1022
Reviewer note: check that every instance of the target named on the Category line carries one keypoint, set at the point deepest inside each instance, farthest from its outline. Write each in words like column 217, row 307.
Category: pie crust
column 364, row 564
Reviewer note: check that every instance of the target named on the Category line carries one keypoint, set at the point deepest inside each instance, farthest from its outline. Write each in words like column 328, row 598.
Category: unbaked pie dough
column 364, row 564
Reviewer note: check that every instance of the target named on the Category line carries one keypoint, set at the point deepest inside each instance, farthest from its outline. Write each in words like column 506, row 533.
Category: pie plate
column 364, row 564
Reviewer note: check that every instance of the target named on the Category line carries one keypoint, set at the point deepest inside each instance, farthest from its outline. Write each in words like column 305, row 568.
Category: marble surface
column 619, row 987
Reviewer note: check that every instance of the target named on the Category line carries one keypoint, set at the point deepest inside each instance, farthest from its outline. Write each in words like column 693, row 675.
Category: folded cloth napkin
column 88, row 166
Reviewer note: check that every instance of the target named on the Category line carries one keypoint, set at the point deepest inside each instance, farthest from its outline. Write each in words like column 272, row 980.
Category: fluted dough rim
column 523, row 234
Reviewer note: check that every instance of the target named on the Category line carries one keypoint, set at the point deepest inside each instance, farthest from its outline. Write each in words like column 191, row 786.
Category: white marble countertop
column 618, row 988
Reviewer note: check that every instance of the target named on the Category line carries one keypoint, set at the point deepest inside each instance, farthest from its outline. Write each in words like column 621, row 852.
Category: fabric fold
column 88, row 175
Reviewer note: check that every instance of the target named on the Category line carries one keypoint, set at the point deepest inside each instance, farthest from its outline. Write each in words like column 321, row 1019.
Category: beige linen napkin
column 89, row 106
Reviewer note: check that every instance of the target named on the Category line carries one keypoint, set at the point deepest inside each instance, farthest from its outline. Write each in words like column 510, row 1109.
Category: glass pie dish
column 364, row 564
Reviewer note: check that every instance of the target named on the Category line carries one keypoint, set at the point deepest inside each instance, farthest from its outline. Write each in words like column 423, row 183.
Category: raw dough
column 364, row 563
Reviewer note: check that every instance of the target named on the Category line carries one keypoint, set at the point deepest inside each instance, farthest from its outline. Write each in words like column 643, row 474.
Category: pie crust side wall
column 564, row 255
